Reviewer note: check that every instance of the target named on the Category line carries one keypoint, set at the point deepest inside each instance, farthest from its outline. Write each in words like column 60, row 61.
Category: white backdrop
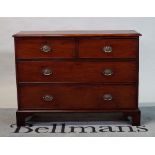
column 9, row 26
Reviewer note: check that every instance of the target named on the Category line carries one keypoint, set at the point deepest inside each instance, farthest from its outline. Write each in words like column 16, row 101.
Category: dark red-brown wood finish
column 77, row 72
column 76, row 97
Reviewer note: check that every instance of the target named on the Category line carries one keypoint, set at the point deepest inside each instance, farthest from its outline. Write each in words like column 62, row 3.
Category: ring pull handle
column 48, row 98
column 47, row 72
column 107, row 49
column 107, row 97
column 45, row 48
column 107, row 72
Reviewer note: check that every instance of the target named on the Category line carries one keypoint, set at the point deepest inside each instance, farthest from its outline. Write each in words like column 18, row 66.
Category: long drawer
column 61, row 97
column 108, row 48
column 76, row 71
column 31, row 47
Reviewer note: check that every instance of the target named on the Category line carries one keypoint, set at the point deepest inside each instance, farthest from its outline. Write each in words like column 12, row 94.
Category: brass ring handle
column 47, row 72
column 48, row 98
column 107, row 72
column 107, row 49
column 107, row 97
column 45, row 48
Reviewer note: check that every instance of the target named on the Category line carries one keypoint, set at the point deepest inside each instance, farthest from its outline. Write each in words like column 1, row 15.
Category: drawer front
column 44, row 48
column 108, row 48
column 77, row 97
column 69, row 71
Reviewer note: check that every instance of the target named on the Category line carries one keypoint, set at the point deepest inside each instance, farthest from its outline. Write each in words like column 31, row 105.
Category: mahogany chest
column 77, row 72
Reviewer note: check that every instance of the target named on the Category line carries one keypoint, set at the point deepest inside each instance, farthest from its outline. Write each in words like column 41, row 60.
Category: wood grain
column 77, row 97
column 31, row 48
column 77, row 33
column 121, row 48
column 81, row 72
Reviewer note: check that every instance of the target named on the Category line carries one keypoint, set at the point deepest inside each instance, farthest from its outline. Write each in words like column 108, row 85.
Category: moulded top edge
column 74, row 33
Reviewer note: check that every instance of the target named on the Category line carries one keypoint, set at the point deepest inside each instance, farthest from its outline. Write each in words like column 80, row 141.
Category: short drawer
column 76, row 71
column 108, row 48
column 44, row 47
column 61, row 97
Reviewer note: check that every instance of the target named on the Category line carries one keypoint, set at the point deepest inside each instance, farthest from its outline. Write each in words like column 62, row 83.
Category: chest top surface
column 79, row 33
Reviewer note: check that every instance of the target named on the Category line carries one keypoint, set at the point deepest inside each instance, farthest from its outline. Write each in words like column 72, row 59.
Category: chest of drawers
column 70, row 72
